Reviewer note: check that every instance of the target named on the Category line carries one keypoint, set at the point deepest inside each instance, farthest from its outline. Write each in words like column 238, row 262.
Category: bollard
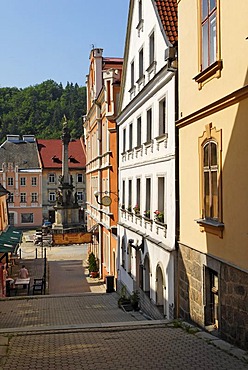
column 36, row 253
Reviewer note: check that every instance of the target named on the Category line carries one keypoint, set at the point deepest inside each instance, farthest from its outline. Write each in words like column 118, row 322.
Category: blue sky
column 52, row 39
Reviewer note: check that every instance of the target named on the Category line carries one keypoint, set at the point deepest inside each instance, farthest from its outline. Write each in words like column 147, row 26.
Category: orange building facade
column 103, row 86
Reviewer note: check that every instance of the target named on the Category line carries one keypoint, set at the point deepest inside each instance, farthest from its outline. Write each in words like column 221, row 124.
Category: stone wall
column 190, row 285
column 233, row 294
column 234, row 305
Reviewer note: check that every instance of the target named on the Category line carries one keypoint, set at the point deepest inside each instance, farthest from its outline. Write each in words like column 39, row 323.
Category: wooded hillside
column 39, row 110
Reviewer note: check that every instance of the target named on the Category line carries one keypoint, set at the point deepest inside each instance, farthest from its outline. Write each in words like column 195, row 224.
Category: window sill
column 213, row 69
column 211, row 226
column 148, row 219
column 160, row 223
column 148, row 143
column 161, row 137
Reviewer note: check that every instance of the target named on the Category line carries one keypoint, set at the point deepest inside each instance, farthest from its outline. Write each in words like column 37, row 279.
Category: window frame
column 11, row 198
column 51, row 195
column 132, row 74
column 23, row 197
column 50, row 176
column 131, row 136
column 34, row 181
column 30, row 214
column 23, row 181
column 209, row 224
column 141, row 63
column 152, row 48
column 10, row 181
column 149, row 125
column 80, row 196
column 162, row 127
column 139, row 131
column 34, row 197
column 214, row 69
column 80, row 175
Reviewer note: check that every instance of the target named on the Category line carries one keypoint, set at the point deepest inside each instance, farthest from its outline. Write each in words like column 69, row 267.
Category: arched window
column 210, row 149
column 210, row 180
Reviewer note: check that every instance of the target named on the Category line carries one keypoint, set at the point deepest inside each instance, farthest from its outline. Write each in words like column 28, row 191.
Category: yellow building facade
column 213, row 110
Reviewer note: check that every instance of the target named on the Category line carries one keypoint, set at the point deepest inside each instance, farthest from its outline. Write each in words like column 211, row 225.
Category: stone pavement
column 88, row 331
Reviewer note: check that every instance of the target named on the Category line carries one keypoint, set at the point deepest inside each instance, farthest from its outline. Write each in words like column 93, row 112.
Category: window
column 160, row 216
column 51, row 178
column 210, row 63
column 210, row 181
column 10, row 181
column 162, row 117
column 208, row 30
column 34, row 181
column 148, row 198
column 130, row 195
column 123, row 253
column 79, row 177
column 34, row 197
column 132, row 74
column 23, row 198
column 80, row 196
column 149, row 125
column 11, row 198
column 137, row 206
column 52, row 196
column 139, row 131
column 211, row 297
column 140, row 10
column 23, row 181
column 151, row 48
column 27, row 218
column 11, row 219
column 141, row 63
column 123, row 194
column 129, row 259
column 124, row 141
column 130, row 136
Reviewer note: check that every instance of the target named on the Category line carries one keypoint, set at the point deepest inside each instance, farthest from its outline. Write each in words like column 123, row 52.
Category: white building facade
column 146, row 127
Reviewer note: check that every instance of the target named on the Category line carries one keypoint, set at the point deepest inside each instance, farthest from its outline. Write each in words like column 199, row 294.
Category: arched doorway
column 147, row 275
column 160, row 288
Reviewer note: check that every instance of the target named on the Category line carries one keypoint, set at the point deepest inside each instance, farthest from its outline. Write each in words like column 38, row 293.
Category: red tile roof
column 167, row 11
column 50, row 151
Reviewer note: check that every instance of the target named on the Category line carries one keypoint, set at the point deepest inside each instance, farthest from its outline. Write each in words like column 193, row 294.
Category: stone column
column 66, row 137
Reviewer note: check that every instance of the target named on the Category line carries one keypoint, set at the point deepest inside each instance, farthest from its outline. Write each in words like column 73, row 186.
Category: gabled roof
column 21, row 153
column 167, row 10
column 50, row 151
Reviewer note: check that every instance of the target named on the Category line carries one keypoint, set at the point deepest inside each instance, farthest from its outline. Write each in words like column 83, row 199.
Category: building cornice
column 225, row 102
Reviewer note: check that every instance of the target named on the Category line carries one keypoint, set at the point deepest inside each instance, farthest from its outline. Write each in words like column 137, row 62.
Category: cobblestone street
column 87, row 330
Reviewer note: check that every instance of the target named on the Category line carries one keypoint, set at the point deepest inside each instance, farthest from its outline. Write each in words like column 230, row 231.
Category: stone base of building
column 213, row 294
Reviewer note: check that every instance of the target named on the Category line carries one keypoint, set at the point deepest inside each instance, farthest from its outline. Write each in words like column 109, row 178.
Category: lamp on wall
column 103, row 199
column 137, row 247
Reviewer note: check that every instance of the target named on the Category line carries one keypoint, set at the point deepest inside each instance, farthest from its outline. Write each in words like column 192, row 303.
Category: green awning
column 10, row 239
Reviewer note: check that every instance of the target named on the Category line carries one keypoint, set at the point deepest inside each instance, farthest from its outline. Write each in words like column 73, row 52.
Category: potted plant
column 92, row 265
column 159, row 216
column 147, row 214
column 134, row 298
column 136, row 209
column 129, row 208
